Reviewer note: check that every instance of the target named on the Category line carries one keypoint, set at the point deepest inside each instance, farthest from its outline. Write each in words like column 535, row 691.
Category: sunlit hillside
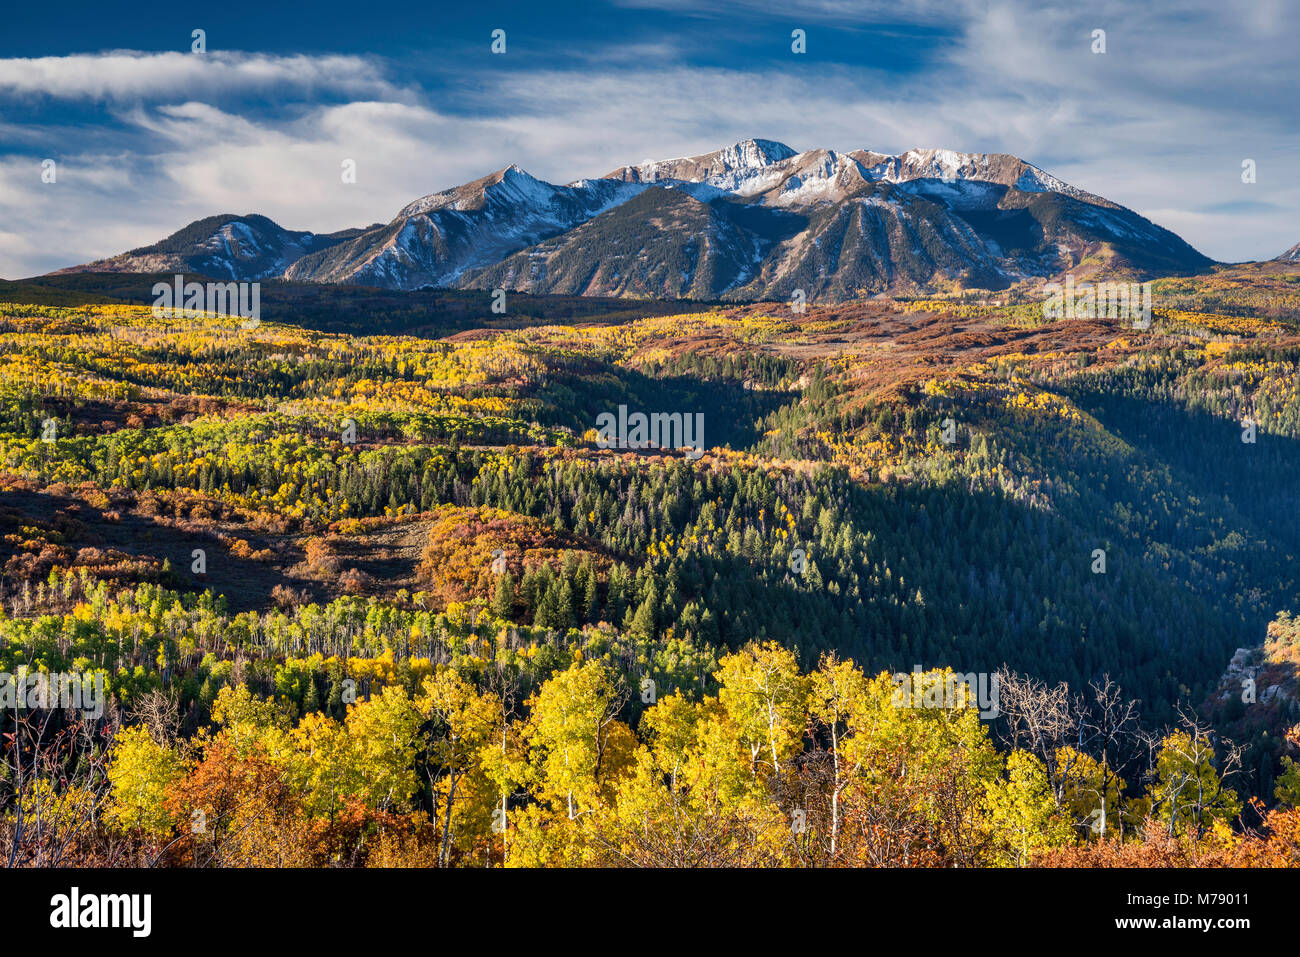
column 373, row 599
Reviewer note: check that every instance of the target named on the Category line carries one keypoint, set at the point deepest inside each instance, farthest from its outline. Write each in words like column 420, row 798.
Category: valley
column 286, row 531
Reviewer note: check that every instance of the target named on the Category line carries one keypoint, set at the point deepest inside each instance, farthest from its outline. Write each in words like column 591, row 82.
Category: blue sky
column 147, row 136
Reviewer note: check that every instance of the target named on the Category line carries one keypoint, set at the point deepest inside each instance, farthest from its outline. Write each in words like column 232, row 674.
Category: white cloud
column 130, row 75
column 1159, row 123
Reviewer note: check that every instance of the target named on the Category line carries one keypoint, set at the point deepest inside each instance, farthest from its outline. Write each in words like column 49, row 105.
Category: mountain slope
column 223, row 246
column 434, row 239
column 664, row 243
column 753, row 220
column 725, row 168
column 818, row 222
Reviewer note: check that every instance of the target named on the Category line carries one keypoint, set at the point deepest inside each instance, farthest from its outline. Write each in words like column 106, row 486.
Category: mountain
column 669, row 243
column 224, row 246
column 732, row 161
column 435, row 239
column 780, row 175
column 758, row 220
column 663, row 243
column 754, row 220
column 1292, row 255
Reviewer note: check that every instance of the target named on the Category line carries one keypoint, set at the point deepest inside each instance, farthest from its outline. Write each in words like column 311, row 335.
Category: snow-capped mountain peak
column 513, row 184
column 785, row 178
column 951, row 166
column 751, row 154
column 731, row 163
column 751, row 220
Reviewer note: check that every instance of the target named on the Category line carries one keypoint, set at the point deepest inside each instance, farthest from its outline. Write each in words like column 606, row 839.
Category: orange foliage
column 235, row 810
column 456, row 564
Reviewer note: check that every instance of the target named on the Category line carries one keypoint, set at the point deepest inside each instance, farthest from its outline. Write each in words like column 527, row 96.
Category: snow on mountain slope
column 433, row 240
column 663, row 243
column 784, row 177
column 512, row 186
column 727, row 168
column 745, row 221
column 223, row 247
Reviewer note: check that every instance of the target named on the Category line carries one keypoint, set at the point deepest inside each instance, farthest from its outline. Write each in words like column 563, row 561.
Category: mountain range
column 756, row 220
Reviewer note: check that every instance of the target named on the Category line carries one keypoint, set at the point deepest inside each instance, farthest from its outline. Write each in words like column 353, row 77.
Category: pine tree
column 310, row 700
column 590, row 600
column 503, row 601
column 644, row 621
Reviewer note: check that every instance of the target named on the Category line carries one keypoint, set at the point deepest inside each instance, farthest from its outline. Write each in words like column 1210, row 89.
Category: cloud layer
column 130, row 75
column 1161, row 122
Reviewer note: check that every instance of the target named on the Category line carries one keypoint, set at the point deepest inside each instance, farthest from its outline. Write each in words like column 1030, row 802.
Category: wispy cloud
column 131, row 75
column 1161, row 122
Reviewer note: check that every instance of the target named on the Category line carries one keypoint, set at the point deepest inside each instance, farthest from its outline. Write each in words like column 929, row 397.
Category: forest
column 378, row 598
